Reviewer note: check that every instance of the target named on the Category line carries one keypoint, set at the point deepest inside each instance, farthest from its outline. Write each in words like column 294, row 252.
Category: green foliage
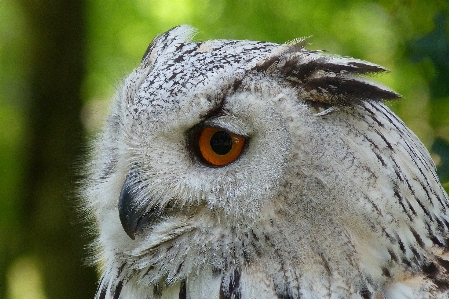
column 12, row 133
column 435, row 46
column 408, row 37
column 441, row 148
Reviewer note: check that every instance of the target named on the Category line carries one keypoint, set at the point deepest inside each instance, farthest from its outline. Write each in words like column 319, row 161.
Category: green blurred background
column 61, row 61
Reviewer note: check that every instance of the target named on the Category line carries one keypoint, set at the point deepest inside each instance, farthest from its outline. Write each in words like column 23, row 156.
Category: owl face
column 236, row 169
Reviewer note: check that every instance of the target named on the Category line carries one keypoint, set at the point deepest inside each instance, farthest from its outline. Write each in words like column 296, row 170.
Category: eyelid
column 229, row 123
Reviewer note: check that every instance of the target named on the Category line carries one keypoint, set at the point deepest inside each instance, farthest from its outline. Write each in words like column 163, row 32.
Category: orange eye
column 219, row 147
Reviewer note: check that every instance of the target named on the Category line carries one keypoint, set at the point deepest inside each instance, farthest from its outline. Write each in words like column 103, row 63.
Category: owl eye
column 219, row 147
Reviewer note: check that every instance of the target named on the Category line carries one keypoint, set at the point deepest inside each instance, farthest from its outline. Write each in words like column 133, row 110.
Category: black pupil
column 221, row 143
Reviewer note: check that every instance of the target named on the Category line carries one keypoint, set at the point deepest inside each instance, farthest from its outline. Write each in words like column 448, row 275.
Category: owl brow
column 214, row 112
column 217, row 109
column 235, row 85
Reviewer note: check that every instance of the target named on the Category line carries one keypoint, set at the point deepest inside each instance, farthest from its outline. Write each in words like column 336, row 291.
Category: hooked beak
column 131, row 215
column 134, row 215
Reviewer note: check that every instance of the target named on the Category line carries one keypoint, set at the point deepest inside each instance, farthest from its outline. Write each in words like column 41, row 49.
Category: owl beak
column 132, row 216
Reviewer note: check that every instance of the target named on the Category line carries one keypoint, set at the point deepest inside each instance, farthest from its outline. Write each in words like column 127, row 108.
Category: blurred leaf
column 435, row 45
column 441, row 148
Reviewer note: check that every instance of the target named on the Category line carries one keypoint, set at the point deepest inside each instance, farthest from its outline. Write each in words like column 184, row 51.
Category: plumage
column 331, row 196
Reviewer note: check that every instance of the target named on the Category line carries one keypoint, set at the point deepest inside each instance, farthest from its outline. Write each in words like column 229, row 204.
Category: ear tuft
column 175, row 36
column 325, row 78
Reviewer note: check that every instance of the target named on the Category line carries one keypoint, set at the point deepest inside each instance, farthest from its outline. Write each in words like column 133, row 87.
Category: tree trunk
column 51, row 229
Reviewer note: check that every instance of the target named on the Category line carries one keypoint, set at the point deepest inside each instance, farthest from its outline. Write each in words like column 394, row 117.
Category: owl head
column 243, row 169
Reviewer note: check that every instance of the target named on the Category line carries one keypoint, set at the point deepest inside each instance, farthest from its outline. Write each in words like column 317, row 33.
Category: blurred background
column 61, row 61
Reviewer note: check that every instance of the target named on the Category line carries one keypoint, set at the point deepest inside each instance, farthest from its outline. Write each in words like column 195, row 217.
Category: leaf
column 441, row 148
column 435, row 46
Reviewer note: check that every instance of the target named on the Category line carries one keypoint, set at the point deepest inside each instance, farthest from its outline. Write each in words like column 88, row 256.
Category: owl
column 235, row 169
